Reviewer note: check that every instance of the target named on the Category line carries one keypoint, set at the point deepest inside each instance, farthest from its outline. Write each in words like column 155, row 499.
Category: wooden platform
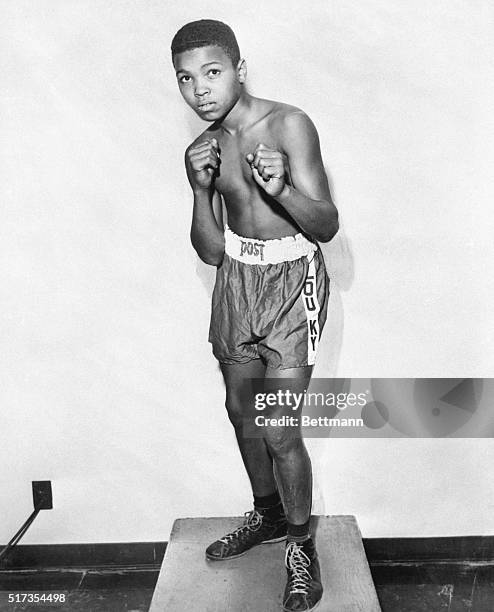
column 255, row 581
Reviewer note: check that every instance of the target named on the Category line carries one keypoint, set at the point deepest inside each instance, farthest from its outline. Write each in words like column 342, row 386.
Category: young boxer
column 262, row 160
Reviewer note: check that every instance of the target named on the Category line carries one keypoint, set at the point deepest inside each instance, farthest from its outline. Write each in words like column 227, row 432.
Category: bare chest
column 235, row 173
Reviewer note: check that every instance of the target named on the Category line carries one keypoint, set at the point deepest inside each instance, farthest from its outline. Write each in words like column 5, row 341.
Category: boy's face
column 208, row 81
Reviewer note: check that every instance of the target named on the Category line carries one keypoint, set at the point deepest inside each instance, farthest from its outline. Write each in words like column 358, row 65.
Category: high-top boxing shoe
column 257, row 528
column 303, row 589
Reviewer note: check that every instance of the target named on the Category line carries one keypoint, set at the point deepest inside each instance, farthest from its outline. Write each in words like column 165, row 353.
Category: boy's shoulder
column 281, row 113
column 289, row 122
column 282, row 109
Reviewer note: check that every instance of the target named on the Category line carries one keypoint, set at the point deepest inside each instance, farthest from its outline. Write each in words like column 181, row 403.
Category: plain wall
column 108, row 386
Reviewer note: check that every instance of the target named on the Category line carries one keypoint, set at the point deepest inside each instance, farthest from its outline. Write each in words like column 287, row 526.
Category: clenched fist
column 203, row 160
column 268, row 169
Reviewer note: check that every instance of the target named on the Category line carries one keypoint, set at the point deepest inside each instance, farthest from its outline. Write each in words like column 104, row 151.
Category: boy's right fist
column 203, row 160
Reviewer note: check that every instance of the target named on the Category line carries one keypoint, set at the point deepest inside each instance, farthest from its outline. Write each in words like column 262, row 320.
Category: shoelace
column 297, row 562
column 252, row 522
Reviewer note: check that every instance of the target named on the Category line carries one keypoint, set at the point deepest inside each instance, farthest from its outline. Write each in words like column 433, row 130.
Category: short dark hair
column 203, row 33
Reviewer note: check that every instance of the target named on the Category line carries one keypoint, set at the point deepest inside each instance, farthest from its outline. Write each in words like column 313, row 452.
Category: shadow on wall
column 339, row 261
column 338, row 253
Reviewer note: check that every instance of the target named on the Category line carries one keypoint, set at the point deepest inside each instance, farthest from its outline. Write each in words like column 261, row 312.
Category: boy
column 270, row 299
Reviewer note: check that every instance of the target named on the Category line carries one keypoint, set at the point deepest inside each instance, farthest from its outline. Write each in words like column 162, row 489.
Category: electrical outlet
column 42, row 496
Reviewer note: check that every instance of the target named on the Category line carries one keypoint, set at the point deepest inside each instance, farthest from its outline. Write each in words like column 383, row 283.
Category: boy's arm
column 307, row 199
column 206, row 232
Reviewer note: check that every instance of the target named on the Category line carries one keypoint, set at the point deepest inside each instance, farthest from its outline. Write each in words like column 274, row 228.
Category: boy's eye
column 214, row 72
column 184, row 79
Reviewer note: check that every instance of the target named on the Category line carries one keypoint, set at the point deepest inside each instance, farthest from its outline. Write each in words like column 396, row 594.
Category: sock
column 267, row 501
column 269, row 505
column 298, row 533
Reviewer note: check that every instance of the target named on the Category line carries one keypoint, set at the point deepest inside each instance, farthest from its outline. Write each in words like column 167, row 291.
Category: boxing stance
column 262, row 160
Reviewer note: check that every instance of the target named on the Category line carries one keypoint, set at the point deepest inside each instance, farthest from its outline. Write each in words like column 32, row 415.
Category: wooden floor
column 410, row 575
column 424, row 587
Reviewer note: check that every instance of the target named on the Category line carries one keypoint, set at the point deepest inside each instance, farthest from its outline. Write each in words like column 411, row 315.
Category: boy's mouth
column 205, row 106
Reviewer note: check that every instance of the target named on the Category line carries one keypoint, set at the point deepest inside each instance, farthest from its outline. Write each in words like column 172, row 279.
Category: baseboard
column 468, row 549
column 139, row 555
column 112, row 555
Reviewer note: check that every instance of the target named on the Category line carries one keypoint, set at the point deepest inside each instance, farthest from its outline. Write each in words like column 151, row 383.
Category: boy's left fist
column 268, row 169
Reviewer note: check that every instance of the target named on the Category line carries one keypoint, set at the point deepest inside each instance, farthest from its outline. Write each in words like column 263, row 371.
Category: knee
column 282, row 445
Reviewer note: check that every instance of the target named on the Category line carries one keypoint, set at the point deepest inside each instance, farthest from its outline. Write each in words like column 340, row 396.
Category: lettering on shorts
column 311, row 304
column 252, row 248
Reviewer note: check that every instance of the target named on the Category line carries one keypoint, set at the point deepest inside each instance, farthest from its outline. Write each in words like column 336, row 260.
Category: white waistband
column 263, row 252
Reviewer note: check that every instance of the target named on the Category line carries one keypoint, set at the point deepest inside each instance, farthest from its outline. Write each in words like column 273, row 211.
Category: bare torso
column 251, row 212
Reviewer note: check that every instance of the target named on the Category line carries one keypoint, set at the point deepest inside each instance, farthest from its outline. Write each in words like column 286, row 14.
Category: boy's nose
column 201, row 89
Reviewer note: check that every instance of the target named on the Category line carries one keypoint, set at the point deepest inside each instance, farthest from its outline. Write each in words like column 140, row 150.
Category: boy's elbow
column 334, row 230
column 208, row 257
column 212, row 257
column 211, row 260
column 329, row 231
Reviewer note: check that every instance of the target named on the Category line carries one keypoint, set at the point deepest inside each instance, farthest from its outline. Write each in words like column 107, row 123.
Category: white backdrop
column 108, row 387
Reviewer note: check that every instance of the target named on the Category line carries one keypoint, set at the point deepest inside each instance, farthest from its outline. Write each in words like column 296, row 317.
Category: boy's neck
column 241, row 115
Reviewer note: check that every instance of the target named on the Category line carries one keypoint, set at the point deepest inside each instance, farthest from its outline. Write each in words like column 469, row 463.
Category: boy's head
column 204, row 33
column 208, row 67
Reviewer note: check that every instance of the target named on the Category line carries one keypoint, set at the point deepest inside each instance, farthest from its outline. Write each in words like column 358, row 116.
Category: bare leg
column 278, row 449
column 292, row 462
column 255, row 455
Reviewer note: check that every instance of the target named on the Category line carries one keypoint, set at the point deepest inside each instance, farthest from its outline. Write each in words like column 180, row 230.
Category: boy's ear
column 241, row 71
